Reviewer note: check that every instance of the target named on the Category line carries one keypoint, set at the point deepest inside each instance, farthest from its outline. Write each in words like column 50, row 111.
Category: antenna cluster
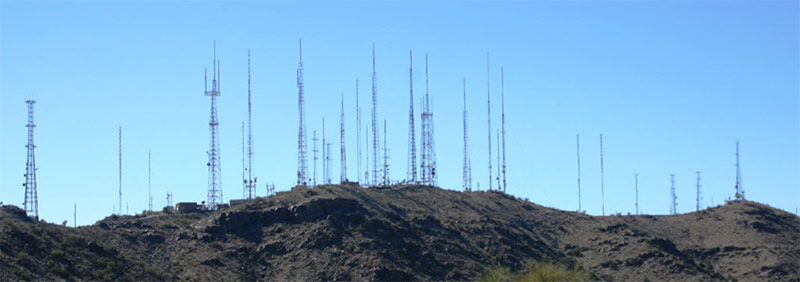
column 412, row 143
column 214, row 165
column 250, row 182
column 467, row 170
column 31, row 194
column 343, row 153
column 302, row 162
column 428, row 147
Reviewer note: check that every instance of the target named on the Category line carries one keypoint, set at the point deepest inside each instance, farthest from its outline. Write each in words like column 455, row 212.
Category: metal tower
column 636, row 189
column 673, row 207
column 467, row 174
column 498, row 160
column 214, row 165
column 739, row 191
column 342, row 152
column 699, row 194
column 366, row 152
column 578, row 143
column 302, row 162
column 251, row 182
column 489, row 119
column 412, row 143
column 244, row 168
column 31, row 193
column 324, row 155
column 503, row 123
column 358, row 136
column 169, row 199
column 375, row 150
column 149, row 184
column 315, row 139
column 120, row 170
column 328, row 163
column 602, row 179
column 428, row 148
column 386, row 181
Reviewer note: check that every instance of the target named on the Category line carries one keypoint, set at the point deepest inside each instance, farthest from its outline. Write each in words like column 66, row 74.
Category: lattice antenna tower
column 214, row 156
column 169, row 199
column 342, row 150
column 120, row 170
column 375, row 139
column 739, row 190
column 489, row 119
column 324, row 155
column 699, row 193
column 499, row 186
column 673, row 208
column 503, row 122
column 244, row 168
column 428, row 154
column 251, row 182
column 636, row 189
column 31, row 193
column 315, row 139
column 149, row 184
column 302, row 162
column 602, row 178
column 386, row 181
column 466, row 171
column 412, row 143
column 358, row 136
column 366, row 152
column 328, row 161
column 578, row 145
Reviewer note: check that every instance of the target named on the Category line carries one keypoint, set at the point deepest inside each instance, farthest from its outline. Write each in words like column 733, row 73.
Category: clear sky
column 670, row 85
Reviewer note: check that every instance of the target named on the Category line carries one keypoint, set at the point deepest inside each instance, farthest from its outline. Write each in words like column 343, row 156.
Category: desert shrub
column 537, row 271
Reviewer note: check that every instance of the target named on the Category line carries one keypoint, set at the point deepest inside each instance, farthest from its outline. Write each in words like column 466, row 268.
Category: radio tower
column 328, row 161
column 375, row 150
column 120, row 170
column 343, row 153
column 467, row 173
column 503, row 123
column 412, row 143
column 324, row 155
column 149, row 184
column 315, row 139
column 699, row 195
column 428, row 149
column 498, row 160
column 358, row 135
column 31, row 193
column 602, row 180
column 366, row 152
column 385, row 157
column 578, row 142
column 251, row 183
column 302, row 162
column 739, row 191
column 489, row 118
column 673, row 207
column 636, row 189
column 214, row 168
column 244, row 168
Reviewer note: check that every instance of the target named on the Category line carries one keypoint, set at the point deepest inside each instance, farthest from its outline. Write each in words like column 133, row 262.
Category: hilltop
column 344, row 232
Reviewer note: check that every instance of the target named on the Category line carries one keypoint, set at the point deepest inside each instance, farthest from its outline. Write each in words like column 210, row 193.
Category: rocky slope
column 401, row 233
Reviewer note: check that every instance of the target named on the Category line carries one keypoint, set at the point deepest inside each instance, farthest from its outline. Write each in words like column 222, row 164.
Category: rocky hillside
column 401, row 233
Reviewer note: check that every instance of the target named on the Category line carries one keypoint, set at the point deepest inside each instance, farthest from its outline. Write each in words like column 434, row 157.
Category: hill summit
column 344, row 232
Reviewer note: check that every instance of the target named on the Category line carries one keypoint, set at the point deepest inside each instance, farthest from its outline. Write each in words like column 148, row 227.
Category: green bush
column 537, row 271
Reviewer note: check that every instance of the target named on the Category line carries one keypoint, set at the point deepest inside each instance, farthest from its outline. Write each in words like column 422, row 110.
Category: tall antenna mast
column 375, row 150
column 673, row 208
column 503, row 123
column 328, row 167
column 428, row 148
column 602, row 180
column 489, row 119
column 498, row 160
column 358, row 135
column 699, row 194
column 324, row 156
column 244, row 168
column 120, row 170
column 214, row 165
column 149, row 184
column 31, row 193
column 739, row 191
column 366, row 152
column 636, row 189
column 315, row 139
column 302, row 162
column 466, row 171
column 251, row 182
column 343, row 157
column 578, row 143
column 412, row 143
column 385, row 156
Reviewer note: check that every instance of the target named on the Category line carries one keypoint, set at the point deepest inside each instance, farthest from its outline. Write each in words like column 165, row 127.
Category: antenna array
column 699, row 194
column 467, row 170
column 31, row 192
column 428, row 146
column 358, row 136
column 214, row 165
column 602, row 180
column 386, row 181
column 673, row 208
column 343, row 153
column 489, row 119
column 739, row 191
column 503, row 122
column 315, row 139
column 120, row 170
column 374, row 121
column 636, row 189
column 412, row 143
column 251, row 182
column 302, row 162
column 578, row 143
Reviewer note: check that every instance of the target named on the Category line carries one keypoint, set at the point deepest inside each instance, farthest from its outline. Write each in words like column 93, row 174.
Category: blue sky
column 670, row 85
